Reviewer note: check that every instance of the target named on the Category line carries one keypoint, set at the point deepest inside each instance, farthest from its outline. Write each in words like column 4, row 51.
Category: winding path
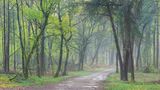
column 90, row 82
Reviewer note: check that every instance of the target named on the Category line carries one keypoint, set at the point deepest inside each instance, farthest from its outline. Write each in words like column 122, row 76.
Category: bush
column 149, row 69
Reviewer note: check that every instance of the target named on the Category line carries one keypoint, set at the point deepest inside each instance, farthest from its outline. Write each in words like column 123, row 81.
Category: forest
column 79, row 45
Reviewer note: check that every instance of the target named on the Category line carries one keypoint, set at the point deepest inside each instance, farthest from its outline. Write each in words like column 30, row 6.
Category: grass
column 34, row 80
column 143, row 82
column 5, row 83
column 79, row 73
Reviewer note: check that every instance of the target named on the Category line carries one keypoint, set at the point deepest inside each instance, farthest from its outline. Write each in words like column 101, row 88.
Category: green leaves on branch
column 33, row 14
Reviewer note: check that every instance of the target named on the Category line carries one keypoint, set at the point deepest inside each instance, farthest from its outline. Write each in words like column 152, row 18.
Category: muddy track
column 90, row 82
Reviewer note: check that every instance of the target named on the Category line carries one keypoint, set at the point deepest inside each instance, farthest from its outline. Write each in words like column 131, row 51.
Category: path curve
column 90, row 82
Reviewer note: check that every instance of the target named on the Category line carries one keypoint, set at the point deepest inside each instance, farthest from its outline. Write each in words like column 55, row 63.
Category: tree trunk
column 117, row 69
column 154, row 48
column 14, row 38
column 6, row 38
column 61, row 43
column 116, row 42
column 66, row 61
column 37, row 55
column 42, row 56
column 139, row 48
column 24, row 67
column 96, row 53
column 157, row 56
column 50, row 44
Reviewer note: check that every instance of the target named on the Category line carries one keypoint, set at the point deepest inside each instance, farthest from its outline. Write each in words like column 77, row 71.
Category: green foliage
column 53, row 28
column 33, row 13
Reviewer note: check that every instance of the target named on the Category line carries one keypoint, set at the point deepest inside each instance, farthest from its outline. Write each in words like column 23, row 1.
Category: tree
column 61, row 41
column 6, row 37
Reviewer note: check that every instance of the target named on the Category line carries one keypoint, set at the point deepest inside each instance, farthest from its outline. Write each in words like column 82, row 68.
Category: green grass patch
column 5, row 82
column 34, row 80
column 143, row 82
column 79, row 73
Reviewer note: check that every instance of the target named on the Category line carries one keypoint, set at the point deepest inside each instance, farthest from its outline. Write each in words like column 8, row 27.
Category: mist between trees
column 41, row 37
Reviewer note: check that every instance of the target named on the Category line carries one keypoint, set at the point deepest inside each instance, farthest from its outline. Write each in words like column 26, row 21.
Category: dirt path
column 91, row 82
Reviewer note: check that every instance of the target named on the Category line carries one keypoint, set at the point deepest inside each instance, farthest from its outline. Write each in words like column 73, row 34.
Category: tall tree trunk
column 116, row 42
column 43, row 27
column 14, row 38
column 139, row 48
column 61, row 43
column 24, row 67
column 4, row 36
column 8, row 40
column 157, row 56
column 127, row 49
column 37, row 53
column 154, row 48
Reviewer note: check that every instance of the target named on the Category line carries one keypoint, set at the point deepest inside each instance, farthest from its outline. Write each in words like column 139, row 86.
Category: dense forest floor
column 144, row 81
